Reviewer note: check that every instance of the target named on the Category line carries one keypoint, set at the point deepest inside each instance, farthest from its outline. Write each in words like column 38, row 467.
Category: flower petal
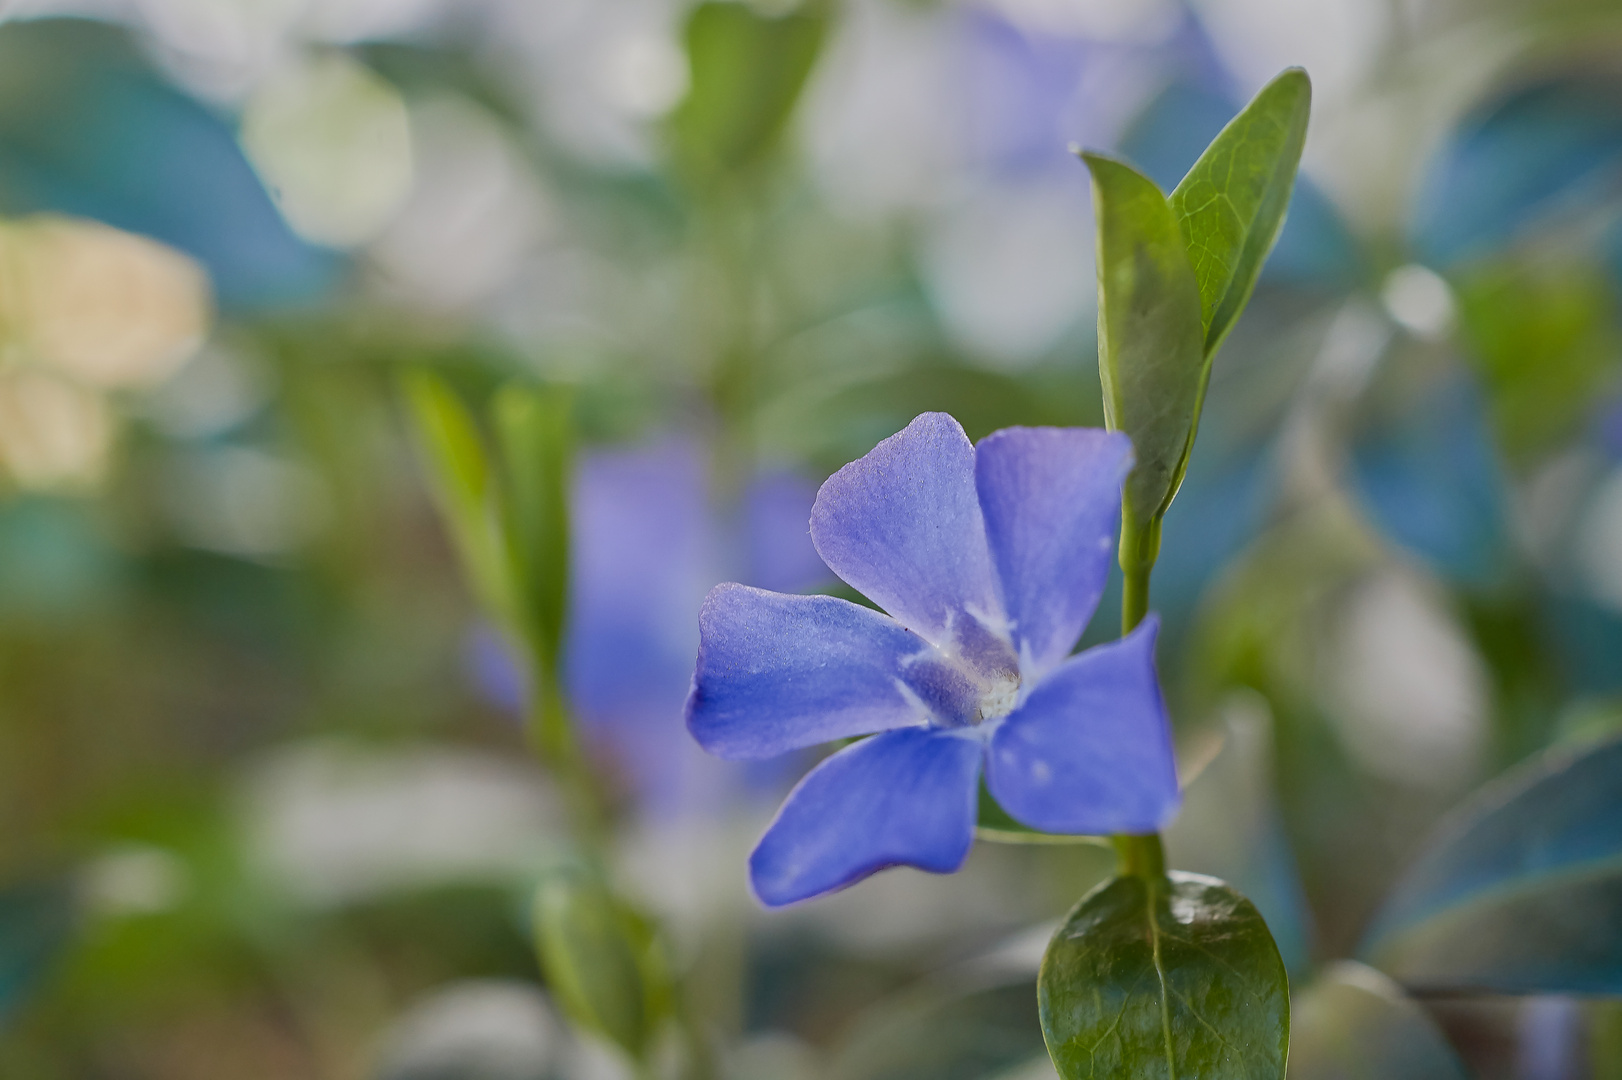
column 776, row 672
column 1089, row 751
column 903, row 526
column 903, row 797
column 1052, row 504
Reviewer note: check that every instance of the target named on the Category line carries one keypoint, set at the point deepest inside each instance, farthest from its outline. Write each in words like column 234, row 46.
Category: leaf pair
column 508, row 513
column 1174, row 274
column 1156, row 974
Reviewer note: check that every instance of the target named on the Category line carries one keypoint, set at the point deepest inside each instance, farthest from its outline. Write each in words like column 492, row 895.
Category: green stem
column 1139, row 550
column 1134, row 597
column 1141, row 855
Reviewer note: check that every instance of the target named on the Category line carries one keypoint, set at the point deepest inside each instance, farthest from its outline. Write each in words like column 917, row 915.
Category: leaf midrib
column 1151, row 894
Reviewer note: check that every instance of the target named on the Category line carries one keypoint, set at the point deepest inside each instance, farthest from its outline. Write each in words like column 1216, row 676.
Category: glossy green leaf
column 1353, row 1023
column 1521, row 891
column 535, row 430
column 1169, row 977
column 463, row 486
column 601, row 960
column 747, row 71
column 1151, row 356
column 1231, row 204
column 942, row 1033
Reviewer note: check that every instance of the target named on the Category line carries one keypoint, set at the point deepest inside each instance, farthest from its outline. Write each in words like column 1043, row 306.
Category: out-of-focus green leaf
column 1352, row 1023
column 36, row 921
column 1231, row 204
column 943, row 1034
column 1521, row 891
column 1544, row 339
column 1151, row 356
column 1173, row 977
column 747, row 71
column 463, row 485
column 535, row 430
column 601, row 960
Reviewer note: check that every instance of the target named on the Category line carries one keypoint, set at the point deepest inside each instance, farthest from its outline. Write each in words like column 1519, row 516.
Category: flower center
column 999, row 699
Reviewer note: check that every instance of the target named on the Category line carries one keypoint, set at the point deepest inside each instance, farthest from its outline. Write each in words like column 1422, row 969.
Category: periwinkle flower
column 648, row 540
column 989, row 561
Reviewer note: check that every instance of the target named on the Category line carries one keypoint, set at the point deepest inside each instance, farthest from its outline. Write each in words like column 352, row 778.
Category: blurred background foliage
column 266, row 809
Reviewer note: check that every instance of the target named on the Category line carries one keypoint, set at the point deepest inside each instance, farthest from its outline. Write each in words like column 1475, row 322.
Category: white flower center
column 999, row 699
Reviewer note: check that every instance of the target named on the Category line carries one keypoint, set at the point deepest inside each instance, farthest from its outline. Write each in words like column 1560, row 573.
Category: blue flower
column 648, row 540
column 990, row 561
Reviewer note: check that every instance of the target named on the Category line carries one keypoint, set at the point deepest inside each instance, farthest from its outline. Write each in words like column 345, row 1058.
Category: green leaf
column 1520, row 892
column 1353, row 1023
column 941, row 1032
column 535, row 430
column 1151, row 356
column 747, row 71
column 463, row 487
column 1542, row 333
column 1231, row 204
column 1165, row 977
column 601, row 960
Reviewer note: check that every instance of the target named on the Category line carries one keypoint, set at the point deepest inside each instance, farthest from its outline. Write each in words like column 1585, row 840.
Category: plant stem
column 1134, row 597
column 1141, row 855
column 1137, row 557
column 552, row 737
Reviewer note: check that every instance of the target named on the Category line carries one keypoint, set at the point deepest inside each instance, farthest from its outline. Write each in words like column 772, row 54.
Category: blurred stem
column 729, row 223
column 552, row 736
column 1140, row 855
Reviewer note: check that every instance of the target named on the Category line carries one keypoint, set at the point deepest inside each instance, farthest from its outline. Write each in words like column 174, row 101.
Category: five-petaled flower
column 990, row 561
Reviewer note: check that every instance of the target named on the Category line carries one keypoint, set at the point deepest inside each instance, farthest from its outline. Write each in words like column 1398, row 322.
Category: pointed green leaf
column 1353, row 1023
column 1231, row 204
column 535, row 430
column 1520, row 891
column 747, row 71
column 1173, row 977
column 463, row 486
column 1151, row 356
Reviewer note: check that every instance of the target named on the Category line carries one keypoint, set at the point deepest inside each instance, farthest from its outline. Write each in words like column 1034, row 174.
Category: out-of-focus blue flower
column 87, row 128
column 1030, row 93
column 1551, row 145
column 990, row 561
column 1609, row 430
column 646, row 544
column 1431, row 481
